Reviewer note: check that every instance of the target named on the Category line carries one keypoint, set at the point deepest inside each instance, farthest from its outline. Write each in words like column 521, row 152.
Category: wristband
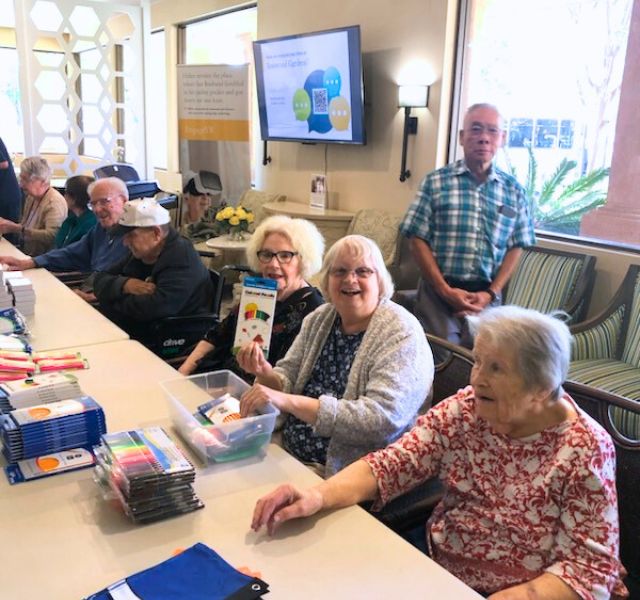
column 491, row 293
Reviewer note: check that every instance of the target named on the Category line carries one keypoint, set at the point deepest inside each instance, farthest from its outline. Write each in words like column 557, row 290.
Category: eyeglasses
column 477, row 130
column 284, row 257
column 100, row 202
column 360, row 272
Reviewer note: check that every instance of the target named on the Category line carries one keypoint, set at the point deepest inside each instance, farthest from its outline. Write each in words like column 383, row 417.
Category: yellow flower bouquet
column 234, row 221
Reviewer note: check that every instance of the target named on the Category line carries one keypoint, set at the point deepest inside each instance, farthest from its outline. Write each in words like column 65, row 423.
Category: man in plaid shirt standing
column 467, row 227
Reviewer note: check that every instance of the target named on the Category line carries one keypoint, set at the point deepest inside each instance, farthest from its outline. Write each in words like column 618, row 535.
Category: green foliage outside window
column 558, row 205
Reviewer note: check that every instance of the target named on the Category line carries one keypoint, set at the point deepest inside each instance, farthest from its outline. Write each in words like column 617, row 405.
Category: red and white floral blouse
column 513, row 508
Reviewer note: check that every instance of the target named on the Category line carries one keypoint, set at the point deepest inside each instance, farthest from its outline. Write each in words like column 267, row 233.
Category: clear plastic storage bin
column 217, row 443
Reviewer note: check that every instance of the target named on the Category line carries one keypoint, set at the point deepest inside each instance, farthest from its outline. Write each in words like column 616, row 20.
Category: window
column 554, row 68
column 226, row 39
column 10, row 108
column 10, row 101
column 223, row 39
column 158, row 104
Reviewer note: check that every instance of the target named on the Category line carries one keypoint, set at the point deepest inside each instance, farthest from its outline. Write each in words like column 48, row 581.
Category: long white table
column 60, row 540
column 62, row 319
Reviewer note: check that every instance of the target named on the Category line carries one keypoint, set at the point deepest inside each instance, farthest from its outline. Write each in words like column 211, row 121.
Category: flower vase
column 236, row 234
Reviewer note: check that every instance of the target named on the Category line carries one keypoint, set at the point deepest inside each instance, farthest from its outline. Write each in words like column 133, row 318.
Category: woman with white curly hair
column 288, row 251
column 358, row 372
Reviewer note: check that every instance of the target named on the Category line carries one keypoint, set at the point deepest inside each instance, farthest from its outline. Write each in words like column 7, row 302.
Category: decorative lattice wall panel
column 81, row 81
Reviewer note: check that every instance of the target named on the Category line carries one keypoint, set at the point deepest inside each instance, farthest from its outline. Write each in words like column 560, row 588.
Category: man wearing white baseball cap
column 162, row 276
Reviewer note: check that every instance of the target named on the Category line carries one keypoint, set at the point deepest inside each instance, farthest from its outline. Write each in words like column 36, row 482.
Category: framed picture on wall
column 318, row 196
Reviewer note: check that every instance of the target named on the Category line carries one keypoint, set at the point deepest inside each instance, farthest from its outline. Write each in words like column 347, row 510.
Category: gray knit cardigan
column 390, row 378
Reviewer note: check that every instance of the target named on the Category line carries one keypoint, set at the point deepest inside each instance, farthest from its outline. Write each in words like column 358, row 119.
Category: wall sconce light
column 410, row 96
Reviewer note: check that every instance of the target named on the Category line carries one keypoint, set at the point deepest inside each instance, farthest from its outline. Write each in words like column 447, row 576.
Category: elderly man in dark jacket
column 163, row 275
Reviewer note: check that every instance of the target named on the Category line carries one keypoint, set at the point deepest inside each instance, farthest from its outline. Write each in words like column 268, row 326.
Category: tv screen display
column 310, row 87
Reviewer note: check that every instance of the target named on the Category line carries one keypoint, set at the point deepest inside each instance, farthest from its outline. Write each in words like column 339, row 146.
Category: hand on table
column 137, row 287
column 284, row 503
column 251, row 359
column 89, row 297
column 17, row 264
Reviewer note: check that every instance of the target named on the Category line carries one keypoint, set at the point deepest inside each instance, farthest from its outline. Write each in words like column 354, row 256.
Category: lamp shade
column 413, row 95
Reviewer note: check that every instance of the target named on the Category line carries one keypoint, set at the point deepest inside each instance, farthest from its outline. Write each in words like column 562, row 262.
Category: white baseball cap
column 144, row 212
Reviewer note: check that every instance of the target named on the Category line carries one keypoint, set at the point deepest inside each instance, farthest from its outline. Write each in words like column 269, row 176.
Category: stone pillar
column 619, row 219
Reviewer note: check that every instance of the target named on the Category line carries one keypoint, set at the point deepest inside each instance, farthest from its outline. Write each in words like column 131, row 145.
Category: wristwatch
column 491, row 293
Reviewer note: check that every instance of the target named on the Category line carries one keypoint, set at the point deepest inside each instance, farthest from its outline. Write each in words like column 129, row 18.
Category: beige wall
column 393, row 35
column 358, row 176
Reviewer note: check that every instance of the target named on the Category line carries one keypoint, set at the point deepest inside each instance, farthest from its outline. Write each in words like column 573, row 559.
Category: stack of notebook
column 24, row 297
column 147, row 474
column 6, row 299
column 48, row 428
column 38, row 389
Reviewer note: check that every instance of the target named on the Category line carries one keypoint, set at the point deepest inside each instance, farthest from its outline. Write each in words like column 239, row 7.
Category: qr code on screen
column 320, row 101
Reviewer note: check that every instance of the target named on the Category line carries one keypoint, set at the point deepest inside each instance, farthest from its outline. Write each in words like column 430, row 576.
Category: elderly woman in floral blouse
column 530, row 508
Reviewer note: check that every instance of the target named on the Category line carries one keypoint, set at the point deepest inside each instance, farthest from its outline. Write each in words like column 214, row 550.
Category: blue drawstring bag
column 198, row 573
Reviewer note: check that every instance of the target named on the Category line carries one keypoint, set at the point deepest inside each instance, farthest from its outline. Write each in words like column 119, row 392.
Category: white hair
column 357, row 246
column 304, row 236
column 541, row 343
column 114, row 182
column 36, row 167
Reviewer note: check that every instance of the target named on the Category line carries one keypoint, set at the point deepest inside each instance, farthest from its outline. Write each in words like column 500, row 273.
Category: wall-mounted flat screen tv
column 310, row 87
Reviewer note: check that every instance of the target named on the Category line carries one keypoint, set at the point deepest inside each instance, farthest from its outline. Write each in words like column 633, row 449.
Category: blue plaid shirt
column 469, row 226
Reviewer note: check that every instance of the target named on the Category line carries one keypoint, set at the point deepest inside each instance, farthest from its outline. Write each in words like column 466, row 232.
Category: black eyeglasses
column 284, row 257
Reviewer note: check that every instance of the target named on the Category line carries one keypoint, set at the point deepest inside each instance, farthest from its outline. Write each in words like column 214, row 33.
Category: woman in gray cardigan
column 358, row 371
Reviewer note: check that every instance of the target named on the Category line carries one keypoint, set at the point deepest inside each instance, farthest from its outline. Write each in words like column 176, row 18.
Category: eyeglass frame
column 101, row 202
column 289, row 253
column 476, row 130
column 359, row 272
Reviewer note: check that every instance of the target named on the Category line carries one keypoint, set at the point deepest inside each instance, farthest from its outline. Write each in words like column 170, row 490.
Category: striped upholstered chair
column 381, row 227
column 548, row 280
column 545, row 280
column 606, row 352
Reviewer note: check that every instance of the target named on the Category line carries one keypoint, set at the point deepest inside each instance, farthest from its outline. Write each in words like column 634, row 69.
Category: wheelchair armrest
column 72, row 279
column 413, row 508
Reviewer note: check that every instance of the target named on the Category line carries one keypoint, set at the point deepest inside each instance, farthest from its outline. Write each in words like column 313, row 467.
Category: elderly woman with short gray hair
column 529, row 509
column 358, row 372
column 44, row 208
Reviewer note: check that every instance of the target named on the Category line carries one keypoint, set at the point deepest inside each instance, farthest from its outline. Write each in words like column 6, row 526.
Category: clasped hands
column 466, row 303
column 137, row 287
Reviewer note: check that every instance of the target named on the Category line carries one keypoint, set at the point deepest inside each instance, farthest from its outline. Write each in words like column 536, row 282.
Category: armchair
column 381, row 227
column 606, row 351
column 602, row 406
column 548, row 280
column 254, row 200
column 545, row 280
column 405, row 274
